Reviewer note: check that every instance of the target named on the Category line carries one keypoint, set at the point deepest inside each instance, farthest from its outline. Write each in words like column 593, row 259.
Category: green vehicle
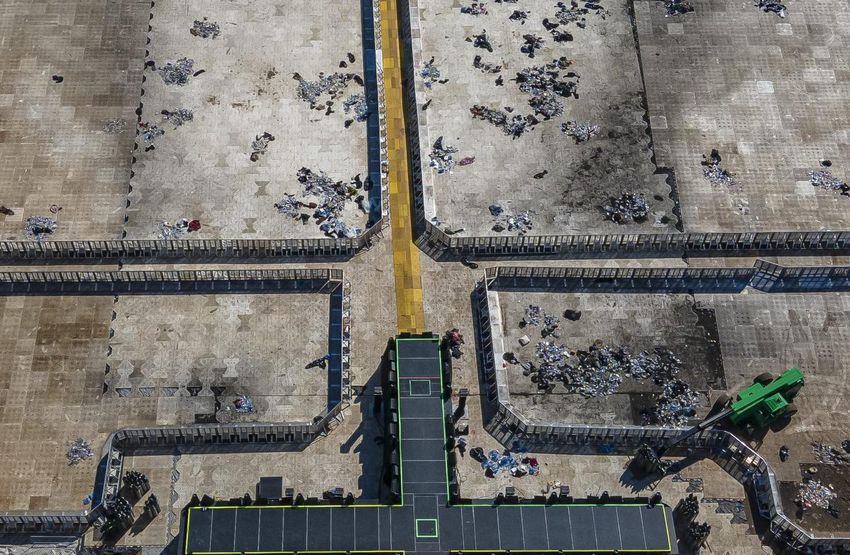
column 768, row 399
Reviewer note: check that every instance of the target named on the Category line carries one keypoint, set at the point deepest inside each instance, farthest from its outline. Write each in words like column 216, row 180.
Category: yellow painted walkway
column 408, row 278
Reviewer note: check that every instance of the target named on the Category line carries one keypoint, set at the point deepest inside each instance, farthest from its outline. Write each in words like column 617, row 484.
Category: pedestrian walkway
column 406, row 266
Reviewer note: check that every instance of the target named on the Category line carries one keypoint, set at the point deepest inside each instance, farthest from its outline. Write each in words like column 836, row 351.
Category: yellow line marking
column 406, row 263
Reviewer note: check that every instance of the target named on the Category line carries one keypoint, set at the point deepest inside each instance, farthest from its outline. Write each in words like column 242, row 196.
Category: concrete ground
column 581, row 178
column 202, row 170
column 768, row 93
column 195, row 354
column 53, row 146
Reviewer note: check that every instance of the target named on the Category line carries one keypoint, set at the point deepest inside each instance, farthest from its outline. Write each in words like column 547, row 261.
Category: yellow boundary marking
column 406, row 264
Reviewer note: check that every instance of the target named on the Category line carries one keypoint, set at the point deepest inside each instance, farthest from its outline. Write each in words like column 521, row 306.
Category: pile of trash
column 518, row 15
column 476, row 8
column 80, row 450
column 576, row 14
column 485, row 67
column 677, row 404
column 39, row 227
column 332, row 85
column 580, row 132
column 178, row 117
column 512, row 126
column 150, row 132
column 114, row 126
column 516, row 465
column 442, row 158
column 531, row 45
column 812, row 493
column 357, row 104
column 629, row 207
column 169, row 232
column 177, row 73
column 289, row 205
column 544, row 83
column 518, row 221
column 827, row 454
column 713, row 172
column 677, row 7
column 260, row 145
column 482, row 41
column 333, row 195
column 430, row 73
column 825, row 180
column 243, row 404
column 536, row 316
column 772, row 6
column 205, row 29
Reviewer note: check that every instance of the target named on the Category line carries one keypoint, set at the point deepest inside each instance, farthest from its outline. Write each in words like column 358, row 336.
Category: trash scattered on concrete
column 629, row 207
column 677, row 7
column 476, row 8
column 827, row 454
column 772, row 6
column 170, row 232
column 572, row 315
column 40, row 227
column 713, row 172
column 677, row 404
column 442, row 158
column 115, row 126
column 546, row 105
column 57, row 78
column 356, row 103
column 177, row 73
column 518, row 221
column 544, row 83
column 466, row 160
column 333, row 196
column 531, row 44
column 331, row 85
column 244, row 404
column 205, row 29
column 178, row 117
column 580, row 132
column 516, row 465
column 289, row 205
column 6, row 211
column 825, row 180
column 533, row 316
column 518, row 15
column 576, row 14
column 430, row 73
column 150, row 132
column 80, row 450
column 813, row 493
column 260, row 145
column 485, row 67
column 514, row 126
column 482, row 41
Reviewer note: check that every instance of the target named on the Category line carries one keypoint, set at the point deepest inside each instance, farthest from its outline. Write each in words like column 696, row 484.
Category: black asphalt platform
column 425, row 522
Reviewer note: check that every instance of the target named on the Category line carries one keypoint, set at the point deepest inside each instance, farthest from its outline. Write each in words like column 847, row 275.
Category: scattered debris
column 39, row 227
column 677, row 7
column 177, row 73
column 519, row 221
column 332, row 85
column 676, row 405
column 572, row 315
column 543, row 83
column 629, row 207
column 289, row 205
column 518, row 15
column 57, row 78
column 115, row 126
column 713, row 172
column 178, row 117
column 513, row 127
column 476, row 8
column 485, row 67
column 442, row 158
column 333, row 196
column 465, row 161
column 784, row 453
column 576, row 14
column 532, row 43
column 827, row 454
column 814, row 494
column 357, row 104
column 516, row 465
column 55, row 209
column 80, row 450
column 205, row 29
column 430, row 73
column 580, row 132
column 260, row 144
column 772, row 6
column 150, row 132
column 481, row 41
column 244, row 404
column 170, row 232
column 825, row 180
column 6, row 211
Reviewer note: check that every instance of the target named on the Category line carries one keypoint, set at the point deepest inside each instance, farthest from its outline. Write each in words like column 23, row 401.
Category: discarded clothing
column 177, row 73
column 40, row 227
column 630, row 207
column 580, row 132
column 205, row 29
